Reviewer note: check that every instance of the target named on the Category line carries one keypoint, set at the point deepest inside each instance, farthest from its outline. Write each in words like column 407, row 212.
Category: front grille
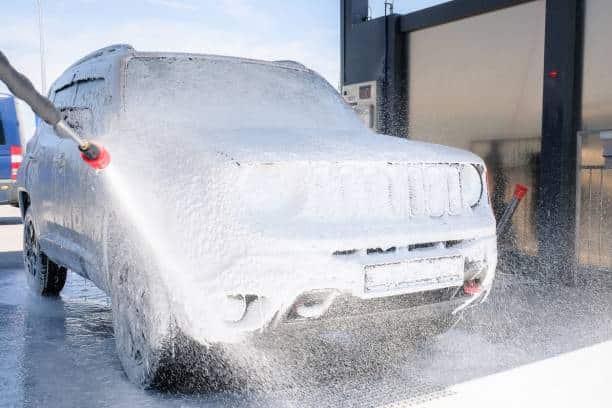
column 370, row 251
column 397, row 191
column 411, row 247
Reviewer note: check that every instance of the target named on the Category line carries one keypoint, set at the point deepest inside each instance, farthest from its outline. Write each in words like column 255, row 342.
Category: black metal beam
column 452, row 11
column 556, row 208
column 352, row 13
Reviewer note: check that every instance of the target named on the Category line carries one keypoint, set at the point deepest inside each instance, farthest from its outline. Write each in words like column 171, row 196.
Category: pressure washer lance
column 519, row 193
column 95, row 155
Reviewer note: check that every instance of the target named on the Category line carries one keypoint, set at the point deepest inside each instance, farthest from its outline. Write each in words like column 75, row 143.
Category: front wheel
column 44, row 276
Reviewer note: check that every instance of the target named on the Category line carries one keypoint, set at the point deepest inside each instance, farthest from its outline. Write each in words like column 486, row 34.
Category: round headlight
column 471, row 185
column 234, row 308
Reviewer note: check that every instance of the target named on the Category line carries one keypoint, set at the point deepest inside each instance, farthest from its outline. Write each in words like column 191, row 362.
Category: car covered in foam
column 244, row 196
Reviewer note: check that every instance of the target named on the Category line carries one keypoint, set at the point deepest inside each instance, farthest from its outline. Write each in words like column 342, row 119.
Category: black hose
column 23, row 89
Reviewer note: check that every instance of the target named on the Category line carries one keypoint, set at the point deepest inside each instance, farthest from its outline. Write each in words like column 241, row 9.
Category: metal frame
column 362, row 51
column 452, row 11
column 560, row 123
column 579, row 139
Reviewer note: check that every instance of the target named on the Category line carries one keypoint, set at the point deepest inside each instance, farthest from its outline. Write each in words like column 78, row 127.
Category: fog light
column 314, row 304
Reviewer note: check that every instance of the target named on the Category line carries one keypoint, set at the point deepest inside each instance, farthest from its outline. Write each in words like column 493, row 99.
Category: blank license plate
column 413, row 276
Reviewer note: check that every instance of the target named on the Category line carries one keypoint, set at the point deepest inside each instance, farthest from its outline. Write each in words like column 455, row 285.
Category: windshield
column 225, row 93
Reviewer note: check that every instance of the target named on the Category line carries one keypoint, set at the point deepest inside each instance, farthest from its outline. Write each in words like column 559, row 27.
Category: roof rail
column 106, row 50
column 291, row 63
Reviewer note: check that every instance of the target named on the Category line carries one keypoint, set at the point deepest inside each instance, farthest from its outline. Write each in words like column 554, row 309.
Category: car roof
column 99, row 63
column 115, row 49
column 282, row 64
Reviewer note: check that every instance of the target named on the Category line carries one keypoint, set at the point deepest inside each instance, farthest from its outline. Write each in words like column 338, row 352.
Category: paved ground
column 530, row 345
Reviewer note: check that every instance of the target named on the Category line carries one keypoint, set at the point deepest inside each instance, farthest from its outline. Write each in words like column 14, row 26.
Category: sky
column 303, row 30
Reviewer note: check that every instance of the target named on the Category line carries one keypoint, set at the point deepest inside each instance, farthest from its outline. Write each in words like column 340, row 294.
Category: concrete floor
column 529, row 345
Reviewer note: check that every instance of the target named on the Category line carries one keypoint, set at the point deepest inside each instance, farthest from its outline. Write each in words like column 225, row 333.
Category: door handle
column 59, row 160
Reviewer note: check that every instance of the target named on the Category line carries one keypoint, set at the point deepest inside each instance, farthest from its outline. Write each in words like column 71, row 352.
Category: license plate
column 413, row 276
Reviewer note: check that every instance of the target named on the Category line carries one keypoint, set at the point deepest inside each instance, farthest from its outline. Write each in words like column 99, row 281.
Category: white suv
column 244, row 195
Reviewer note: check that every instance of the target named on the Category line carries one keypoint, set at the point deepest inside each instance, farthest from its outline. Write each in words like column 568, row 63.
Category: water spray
column 94, row 155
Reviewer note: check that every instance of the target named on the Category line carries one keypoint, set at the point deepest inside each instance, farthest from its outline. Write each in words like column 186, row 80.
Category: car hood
column 271, row 146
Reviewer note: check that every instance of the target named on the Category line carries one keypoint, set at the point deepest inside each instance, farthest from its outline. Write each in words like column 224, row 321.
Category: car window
column 81, row 103
column 90, row 93
column 80, row 119
column 2, row 137
column 64, row 97
column 90, row 102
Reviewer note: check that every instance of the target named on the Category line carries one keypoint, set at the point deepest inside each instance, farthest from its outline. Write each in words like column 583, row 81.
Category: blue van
column 10, row 150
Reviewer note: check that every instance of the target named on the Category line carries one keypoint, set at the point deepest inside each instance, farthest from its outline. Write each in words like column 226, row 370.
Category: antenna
column 41, row 32
column 388, row 7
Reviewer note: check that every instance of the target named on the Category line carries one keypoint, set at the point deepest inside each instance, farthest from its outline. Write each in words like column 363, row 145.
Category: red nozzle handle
column 100, row 161
column 519, row 191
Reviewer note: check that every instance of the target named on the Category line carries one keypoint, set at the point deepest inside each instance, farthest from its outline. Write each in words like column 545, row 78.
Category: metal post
column 41, row 34
column 560, row 122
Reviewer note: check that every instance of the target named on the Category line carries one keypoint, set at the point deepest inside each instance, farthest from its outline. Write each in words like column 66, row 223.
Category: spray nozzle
column 94, row 155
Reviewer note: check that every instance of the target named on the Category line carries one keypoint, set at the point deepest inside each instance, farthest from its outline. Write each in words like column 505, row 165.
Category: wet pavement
column 61, row 353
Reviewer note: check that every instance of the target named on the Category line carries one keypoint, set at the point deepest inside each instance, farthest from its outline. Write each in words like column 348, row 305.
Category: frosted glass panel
column 597, row 83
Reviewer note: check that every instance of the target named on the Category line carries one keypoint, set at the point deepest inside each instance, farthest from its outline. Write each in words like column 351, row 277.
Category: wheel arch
column 24, row 202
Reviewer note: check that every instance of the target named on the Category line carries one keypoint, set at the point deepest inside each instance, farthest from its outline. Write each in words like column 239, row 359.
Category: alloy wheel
column 31, row 249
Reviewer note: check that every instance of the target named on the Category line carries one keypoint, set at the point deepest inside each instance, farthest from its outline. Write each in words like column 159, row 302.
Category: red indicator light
column 554, row 74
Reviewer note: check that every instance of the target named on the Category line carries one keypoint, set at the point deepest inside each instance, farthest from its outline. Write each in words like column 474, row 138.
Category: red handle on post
column 519, row 191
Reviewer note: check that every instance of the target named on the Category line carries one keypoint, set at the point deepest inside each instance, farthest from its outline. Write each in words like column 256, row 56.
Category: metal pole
column 41, row 33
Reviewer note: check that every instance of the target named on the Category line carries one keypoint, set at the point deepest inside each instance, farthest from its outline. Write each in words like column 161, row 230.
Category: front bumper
column 8, row 192
column 273, row 288
column 376, row 317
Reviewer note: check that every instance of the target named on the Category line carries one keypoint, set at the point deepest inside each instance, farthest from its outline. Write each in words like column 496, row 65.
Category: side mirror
column 79, row 119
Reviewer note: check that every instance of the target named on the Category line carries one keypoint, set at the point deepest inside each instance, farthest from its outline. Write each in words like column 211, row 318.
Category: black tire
column 136, row 315
column 153, row 352
column 142, row 321
column 44, row 276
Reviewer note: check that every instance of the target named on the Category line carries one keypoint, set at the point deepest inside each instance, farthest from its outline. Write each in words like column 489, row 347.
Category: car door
column 83, row 198
column 45, row 181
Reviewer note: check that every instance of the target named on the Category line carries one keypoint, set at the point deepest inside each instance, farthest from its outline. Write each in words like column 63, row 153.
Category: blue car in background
column 10, row 150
